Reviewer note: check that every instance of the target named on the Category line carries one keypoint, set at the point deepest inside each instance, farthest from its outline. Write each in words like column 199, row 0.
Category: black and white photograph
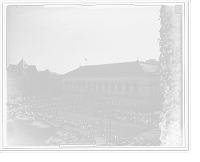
column 95, row 76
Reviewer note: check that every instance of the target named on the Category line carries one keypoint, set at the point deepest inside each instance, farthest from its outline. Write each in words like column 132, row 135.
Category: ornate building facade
column 131, row 86
column 55, row 85
column 25, row 82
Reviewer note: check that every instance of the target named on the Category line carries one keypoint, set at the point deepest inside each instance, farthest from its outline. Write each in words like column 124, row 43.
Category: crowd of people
column 148, row 119
column 73, row 131
column 21, row 112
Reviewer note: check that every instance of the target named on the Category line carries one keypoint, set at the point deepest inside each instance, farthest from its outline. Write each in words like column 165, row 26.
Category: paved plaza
column 126, row 130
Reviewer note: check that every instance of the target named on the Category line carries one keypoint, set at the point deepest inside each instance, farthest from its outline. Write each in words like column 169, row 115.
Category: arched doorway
column 88, row 100
column 99, row 101
column 93, row 101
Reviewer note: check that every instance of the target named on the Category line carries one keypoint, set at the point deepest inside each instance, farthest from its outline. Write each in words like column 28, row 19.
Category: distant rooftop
column 124, row 68
column 23, row 68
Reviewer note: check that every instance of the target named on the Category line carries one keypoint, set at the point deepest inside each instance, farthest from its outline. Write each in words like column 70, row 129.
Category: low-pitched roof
column 114, row 69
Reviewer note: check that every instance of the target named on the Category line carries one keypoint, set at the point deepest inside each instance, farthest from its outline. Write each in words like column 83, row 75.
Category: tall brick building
column 25, row 82
column 128, row 86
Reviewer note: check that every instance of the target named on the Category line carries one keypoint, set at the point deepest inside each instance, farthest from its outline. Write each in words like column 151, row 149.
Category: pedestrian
column 106, row 140
column 83, row 126
column 115, row 137
column 118, row 138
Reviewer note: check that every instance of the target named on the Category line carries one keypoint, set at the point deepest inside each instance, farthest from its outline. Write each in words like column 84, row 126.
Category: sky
column 60, row 38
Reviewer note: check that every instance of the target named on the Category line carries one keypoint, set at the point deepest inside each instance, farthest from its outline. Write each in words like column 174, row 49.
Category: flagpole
column 85, row 60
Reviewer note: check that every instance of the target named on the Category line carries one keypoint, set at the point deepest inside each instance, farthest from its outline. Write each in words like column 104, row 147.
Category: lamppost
column 56, row 113
column 50, row 110
column 101, row 116
column 109, row 127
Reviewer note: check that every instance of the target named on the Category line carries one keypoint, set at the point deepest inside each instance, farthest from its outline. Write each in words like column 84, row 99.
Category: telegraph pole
column 56, row 113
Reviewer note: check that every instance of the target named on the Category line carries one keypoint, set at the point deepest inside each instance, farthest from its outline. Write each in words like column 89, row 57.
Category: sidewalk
column 100, row 141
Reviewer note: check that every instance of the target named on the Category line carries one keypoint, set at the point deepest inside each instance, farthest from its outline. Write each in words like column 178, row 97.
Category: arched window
column 113, row 86
column 135, row 86
column 70, row 84
column 94, row 85
column 65, row 84
column 106, row 85
column 156, row 86
column 79, row 85
column 151, row 86
column 127, row 86
column 119, row 86
column 100, row 85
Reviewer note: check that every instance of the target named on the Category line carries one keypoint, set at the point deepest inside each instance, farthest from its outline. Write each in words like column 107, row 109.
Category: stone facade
column 54, row 84
column 136, row 91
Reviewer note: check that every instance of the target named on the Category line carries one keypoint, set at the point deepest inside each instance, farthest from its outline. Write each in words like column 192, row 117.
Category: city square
column 94, row 76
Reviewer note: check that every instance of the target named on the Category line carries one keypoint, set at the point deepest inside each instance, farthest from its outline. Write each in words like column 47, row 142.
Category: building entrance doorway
column 93, row 101
column 88, row 100
column 99, row 101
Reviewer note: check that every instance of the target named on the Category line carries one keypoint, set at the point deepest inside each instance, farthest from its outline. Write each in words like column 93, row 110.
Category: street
column 125, row 130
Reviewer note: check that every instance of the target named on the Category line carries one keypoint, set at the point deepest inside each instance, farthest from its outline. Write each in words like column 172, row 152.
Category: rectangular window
column 119, row 103
column 151, row 86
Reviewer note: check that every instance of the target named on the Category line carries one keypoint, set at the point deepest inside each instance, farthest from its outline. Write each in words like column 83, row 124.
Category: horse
column 60, row 120
column 50, row 116
column 65, row 121
column 39, row 114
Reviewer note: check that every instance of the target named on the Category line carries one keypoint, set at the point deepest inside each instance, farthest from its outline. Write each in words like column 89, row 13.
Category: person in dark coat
column 83, row 126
